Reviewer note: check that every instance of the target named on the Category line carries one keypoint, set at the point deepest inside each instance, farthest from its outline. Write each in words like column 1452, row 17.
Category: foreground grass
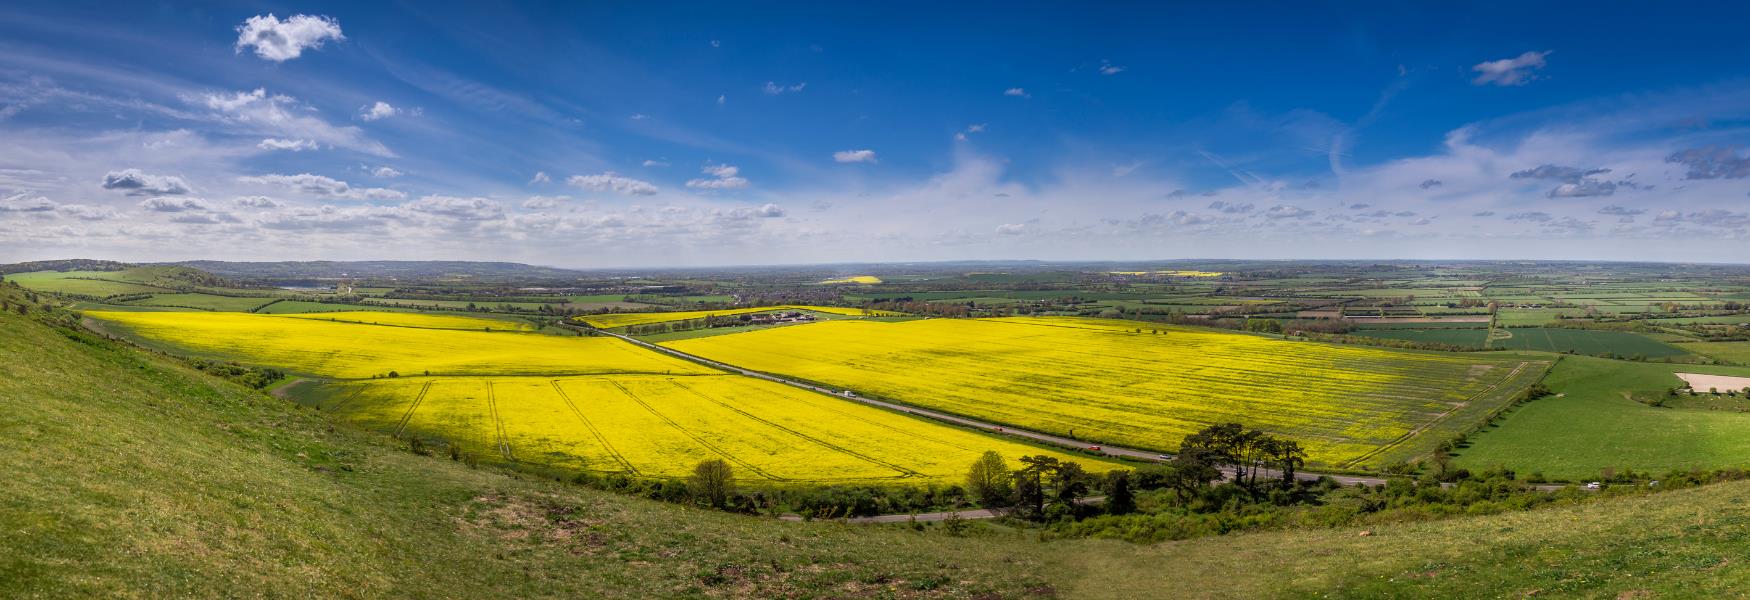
column 123, row 474
column 1683, row 544
column 1597, row 423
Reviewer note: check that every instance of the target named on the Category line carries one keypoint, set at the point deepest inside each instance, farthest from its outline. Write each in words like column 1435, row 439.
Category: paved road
column 1046, row 438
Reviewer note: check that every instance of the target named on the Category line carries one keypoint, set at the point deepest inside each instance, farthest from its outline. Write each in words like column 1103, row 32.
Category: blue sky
column 653, row 134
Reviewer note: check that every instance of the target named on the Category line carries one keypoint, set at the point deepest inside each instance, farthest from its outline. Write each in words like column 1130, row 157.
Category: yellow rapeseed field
column 1102, row 381
column 857, row 279
column 407, row 319
column 352, row 350
column 614, row 320
column 661, row 426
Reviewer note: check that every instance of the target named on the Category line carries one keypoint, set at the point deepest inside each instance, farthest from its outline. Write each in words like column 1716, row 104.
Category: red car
column 1094, row 448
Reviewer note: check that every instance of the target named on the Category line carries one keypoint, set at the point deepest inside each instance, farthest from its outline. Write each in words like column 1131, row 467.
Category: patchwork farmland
column 1143, row 384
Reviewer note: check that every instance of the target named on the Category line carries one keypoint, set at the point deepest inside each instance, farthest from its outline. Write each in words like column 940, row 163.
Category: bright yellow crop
column 407, row 319
column 1103, row 381
column 659, row 426
column 613, row 320
column 351, row 350
column 1170, row 273
column 858, row 279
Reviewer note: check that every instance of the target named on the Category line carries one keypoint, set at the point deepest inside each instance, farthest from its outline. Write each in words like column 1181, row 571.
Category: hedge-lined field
column 1106, row 381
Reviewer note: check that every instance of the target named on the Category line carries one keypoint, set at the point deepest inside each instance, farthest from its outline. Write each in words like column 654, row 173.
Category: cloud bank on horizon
column 622, row 135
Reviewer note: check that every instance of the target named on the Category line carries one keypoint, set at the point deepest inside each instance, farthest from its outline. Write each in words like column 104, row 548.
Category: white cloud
column 540, row 177
column 721, row 98
column 171, row 205
column 723, row 177
column 854, row 156
column 766, row 211
column 292, row 145
column 255, row 202
column 465, row 209
column 385, row 173
column 612, row 182
column 543, row 202
column 234, row 102
column 280, row 41
column 716, row 43
column 137, row 183
column 284, row 117
column 1518, row 70
column 378, row 110
column 1011, row 229
column 774, row 89
column 1583, row 188
column 1017, row 92
column 1283, row 211
column 655, row 163
column 1107, row 68
column 24, row 203
column 86, row 213
column 319, row 185
column 639, row 116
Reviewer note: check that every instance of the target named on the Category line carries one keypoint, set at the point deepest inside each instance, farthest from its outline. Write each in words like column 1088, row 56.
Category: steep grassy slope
column 124, row 474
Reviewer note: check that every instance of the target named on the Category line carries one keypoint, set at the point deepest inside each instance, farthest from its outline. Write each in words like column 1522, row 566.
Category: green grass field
column 287, row 307
column 1739, row 319
column 1737, row 353
column 1596, row 424
column 1464, row 337
column 1543, row 339
column 84, row 283
column 204, row 302
column 1585, row 341
column 449, row 304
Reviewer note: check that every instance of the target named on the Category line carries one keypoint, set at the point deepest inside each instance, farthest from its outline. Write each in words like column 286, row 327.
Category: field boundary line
column 620, row 458
column 708, row 445
column 905, row 471
column 399, row 427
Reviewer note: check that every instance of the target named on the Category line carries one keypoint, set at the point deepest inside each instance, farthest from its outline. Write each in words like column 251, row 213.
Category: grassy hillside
column 126, row 474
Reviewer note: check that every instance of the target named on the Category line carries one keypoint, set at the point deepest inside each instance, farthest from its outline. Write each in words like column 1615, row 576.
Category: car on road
column 1165, row 457
column 1594, row 485
column 1094, row 448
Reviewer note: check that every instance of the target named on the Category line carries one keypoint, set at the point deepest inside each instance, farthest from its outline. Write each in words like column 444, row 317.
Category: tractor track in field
column 402, row 425
column 620, row 458
column 1035, row 436
column 904, row 472
column 502, row 441
column 1511, row 377
column 696, row 437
